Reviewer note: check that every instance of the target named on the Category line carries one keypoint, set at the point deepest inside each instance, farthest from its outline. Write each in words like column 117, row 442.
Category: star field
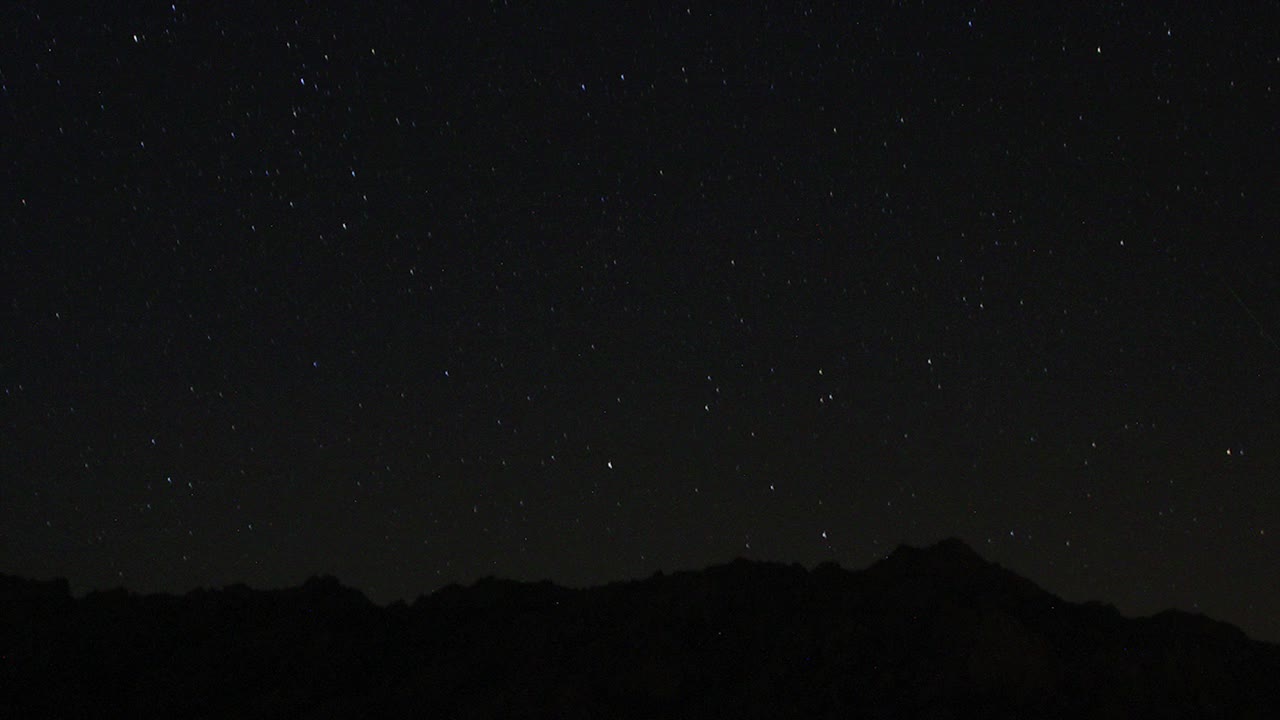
column 585, row 292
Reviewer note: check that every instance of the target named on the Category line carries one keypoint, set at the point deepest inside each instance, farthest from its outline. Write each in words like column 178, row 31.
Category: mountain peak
column 951, row 568
column 949, row 554
column 956, row 548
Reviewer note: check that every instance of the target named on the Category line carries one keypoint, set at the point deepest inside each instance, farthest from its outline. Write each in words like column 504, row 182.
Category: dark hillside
column 935, row 633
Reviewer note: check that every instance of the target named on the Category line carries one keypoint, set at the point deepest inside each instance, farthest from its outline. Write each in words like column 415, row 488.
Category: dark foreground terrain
column 926, row 633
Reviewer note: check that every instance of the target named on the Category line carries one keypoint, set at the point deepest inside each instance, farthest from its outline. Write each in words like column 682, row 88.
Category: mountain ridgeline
column 932, row 633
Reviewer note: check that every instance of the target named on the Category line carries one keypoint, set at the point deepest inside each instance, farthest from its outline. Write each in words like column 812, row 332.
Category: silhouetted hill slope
column 929, row 633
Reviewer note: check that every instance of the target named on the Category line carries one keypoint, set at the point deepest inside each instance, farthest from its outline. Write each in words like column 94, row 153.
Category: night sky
column 587, row 290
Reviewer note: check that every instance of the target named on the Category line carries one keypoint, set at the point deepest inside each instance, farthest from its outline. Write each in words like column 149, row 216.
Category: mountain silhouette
column 934, row 632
